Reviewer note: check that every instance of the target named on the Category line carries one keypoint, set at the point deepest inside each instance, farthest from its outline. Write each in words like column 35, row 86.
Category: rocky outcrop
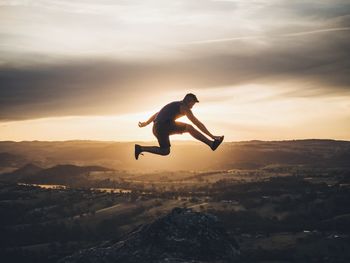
column 181, row 236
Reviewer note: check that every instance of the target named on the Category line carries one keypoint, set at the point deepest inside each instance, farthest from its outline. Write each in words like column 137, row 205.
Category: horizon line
column 175, row 141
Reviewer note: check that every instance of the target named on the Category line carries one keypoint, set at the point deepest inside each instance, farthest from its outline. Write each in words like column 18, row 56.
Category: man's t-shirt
column 169, row 112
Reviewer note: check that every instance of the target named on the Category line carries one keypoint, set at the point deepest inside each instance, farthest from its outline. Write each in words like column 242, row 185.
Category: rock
column 181, row 236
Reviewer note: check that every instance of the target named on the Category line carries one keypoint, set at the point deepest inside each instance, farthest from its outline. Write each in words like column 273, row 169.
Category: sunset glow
column 243, row 113
column 87, row 70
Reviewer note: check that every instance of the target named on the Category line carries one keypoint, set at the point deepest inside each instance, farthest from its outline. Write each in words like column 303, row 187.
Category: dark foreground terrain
column 277, row 211
column 293, row 218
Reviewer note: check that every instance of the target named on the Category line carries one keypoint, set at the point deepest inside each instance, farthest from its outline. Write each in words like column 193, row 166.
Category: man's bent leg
column 156, row 150
column 198, row 135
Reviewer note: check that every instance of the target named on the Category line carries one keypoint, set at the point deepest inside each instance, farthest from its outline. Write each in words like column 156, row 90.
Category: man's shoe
column 137, row 151
column 217, row 142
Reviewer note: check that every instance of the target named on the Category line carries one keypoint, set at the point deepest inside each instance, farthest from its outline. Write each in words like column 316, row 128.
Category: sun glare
column 240, row 113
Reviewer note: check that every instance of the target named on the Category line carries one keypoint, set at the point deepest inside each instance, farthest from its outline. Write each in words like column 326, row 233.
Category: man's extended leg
column 151, row 149
column 198, row 135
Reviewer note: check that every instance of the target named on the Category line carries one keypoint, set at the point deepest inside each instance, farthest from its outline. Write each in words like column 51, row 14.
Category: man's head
column 190, row 99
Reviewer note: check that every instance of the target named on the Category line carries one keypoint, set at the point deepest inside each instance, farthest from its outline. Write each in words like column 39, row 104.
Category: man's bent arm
column 152, row 118
column 200, row 125
column 143, row 124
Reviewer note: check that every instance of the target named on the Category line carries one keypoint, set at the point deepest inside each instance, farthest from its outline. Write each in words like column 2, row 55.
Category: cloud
column 295, row 34
column 223, row 43
column 109, row 87
column 318, row 31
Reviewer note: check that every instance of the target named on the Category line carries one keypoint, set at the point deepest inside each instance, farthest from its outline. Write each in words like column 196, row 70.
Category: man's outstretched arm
column 200, row 125
column 143, row 124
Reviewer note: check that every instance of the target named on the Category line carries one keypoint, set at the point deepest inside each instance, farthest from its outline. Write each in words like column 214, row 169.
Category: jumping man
column 165, row 125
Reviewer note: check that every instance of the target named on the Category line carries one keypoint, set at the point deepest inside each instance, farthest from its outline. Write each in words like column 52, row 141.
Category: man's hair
column 190, row 96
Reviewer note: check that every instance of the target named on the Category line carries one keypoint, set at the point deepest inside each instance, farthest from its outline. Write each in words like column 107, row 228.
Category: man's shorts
column 162, row 130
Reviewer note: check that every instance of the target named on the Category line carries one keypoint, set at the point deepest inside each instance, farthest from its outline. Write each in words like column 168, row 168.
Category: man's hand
column 142, row 124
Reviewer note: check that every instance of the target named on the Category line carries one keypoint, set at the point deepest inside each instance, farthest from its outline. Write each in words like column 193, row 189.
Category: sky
column 262, row 69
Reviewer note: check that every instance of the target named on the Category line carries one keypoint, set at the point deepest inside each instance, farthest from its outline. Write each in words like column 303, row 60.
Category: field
column 277, row 212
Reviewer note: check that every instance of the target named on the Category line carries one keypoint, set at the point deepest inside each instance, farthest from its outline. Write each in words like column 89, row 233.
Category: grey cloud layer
column 217, row 43
column 107, row 87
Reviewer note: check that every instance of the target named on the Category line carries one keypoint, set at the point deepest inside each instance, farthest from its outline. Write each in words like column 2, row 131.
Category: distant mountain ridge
column 8, row 159
column 186, row 156
column 58, row 174
column 23, row 172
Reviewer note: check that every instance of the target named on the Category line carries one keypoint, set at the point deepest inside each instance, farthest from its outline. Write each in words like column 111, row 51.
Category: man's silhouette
column 165, row 125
